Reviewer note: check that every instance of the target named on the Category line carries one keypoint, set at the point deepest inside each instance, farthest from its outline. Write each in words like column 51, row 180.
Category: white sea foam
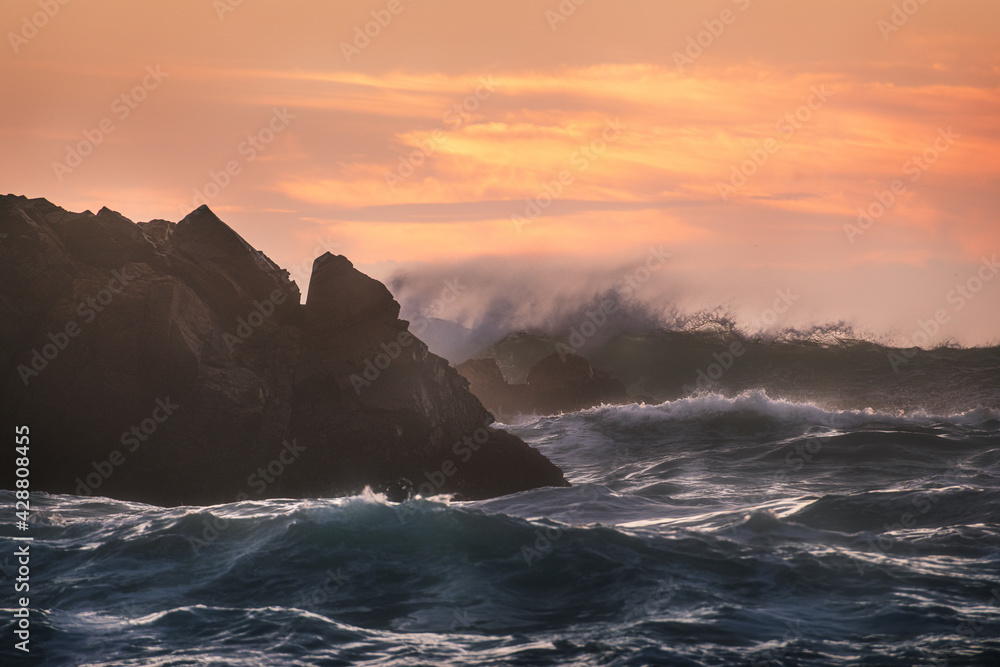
column 757, row 402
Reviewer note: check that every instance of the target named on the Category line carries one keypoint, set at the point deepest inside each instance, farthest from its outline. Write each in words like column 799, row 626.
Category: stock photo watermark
column 333, row 582
column 453, row 119
column 364, row 34
column 121, row 108
column 900, row 16
column 797, row 457
column 915, row 168
column 436, row 478
column 626, row 287
column 140, row 433
column 87, row 310
column 546, row 537
column 224, row 7
column 562, row 12
column 714, row 28
column 246, row 326
column 665, row 591
column 726, row 360
column 958, row 298
column 31, row 25
column 213, row 527
column 884, row 542
column 392, row 350
column 787, row 126
column 248, row 149
column 581, row 160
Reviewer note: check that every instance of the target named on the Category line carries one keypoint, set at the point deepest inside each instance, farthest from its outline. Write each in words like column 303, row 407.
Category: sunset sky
column 743, row 136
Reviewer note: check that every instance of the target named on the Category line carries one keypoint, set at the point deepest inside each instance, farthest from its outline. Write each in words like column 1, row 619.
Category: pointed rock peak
column 339, row 291
column 203, row 226
column 330, row 262
column 106, row 214
column 202, row 215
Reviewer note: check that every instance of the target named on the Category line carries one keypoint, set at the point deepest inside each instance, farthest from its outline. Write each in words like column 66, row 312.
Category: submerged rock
column 174, row 364
column 561, row 382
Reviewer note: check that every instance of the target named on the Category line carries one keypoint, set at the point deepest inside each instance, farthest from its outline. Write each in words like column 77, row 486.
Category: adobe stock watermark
column 246, row 326
column 626, row 287
column 797, row 457
column 580, row 160
column 87, row 310
column 321, row 594
column 714, row 28
column 544, row 543
column 725, row 360
column 783, row 301
column 248, row 149
column 30, row 25
column 374, row 366
column 453, row 119
column 258, row 481
column 462, row 619
column 435, row 479
column 915, row 167
column 970, row 629
column 224, row 7
column 562, row 12
column 268, row 474
column 884, row 543
column 900, row 16
column 786, row 127
column 333, row 582
column 958, row 297
column 664, row 593
column 363, row 35
column 546, row 537
column 121, row 108
column 163, row 409
column 463, row 449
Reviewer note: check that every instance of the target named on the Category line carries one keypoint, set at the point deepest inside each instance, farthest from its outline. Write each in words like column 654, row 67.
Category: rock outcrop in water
column 174, row 364
column 561, row 382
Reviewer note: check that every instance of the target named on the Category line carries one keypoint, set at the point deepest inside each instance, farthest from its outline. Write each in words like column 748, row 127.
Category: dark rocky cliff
column 174, row 364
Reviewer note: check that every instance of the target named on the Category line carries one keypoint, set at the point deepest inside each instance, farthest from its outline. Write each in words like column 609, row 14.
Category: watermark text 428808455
column 22, row 583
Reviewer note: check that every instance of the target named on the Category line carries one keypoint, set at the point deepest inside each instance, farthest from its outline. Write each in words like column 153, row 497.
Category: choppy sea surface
column 710, row 530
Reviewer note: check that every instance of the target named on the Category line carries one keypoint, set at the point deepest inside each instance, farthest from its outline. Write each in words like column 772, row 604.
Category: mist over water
column 935, row 305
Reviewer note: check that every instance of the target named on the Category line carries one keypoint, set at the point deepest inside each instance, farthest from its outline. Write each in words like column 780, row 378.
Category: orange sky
column 490, row 104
